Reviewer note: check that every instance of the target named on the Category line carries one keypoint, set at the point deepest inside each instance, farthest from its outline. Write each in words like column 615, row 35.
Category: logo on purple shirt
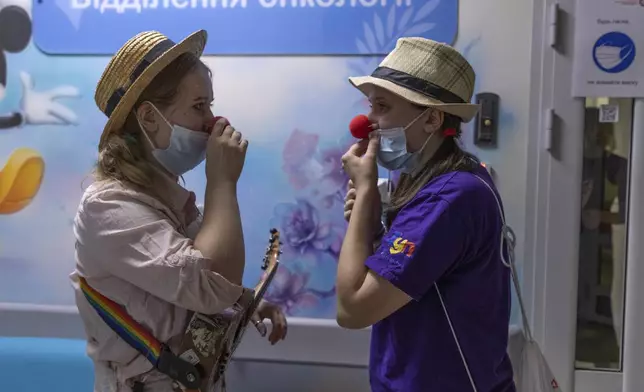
column 398, row 244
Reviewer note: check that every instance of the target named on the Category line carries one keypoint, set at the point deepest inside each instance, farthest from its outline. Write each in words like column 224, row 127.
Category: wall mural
column 294, row 111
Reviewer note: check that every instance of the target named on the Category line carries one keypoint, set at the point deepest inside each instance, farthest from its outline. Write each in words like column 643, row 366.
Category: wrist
column 219, row 187
column 368, row 192
column 221, row 183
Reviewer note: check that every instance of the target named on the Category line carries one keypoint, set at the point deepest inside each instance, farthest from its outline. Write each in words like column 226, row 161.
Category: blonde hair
column 122, row 158
column 449, row 157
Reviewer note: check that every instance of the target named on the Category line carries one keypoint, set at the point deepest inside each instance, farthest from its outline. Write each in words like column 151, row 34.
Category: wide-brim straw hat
column 132, row 69
column 426, row 73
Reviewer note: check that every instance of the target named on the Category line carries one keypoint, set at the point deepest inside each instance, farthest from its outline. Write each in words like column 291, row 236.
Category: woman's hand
column 350, row 200
column 360, row 163
column 267, row 310
column 225, row 154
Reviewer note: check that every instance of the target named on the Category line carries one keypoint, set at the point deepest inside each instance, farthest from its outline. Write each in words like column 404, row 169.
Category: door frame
column 552, row 209
column 555, row 152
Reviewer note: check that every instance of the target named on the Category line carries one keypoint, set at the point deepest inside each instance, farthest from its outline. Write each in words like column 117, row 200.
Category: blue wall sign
column 614, row 52
column 244, row 27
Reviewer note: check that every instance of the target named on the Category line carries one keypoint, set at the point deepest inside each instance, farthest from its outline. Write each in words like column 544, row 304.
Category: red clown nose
column 360, row 127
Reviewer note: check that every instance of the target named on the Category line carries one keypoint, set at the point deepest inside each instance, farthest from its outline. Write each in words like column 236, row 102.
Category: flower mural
column 303, row 232
column 290, row 290
column 311, row 225
column 314, row 171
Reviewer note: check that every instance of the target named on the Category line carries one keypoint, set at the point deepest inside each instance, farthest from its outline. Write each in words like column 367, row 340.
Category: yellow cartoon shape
column 20, row 180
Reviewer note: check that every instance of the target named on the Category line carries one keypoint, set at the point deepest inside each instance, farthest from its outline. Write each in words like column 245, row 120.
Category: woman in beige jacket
column 140, row 239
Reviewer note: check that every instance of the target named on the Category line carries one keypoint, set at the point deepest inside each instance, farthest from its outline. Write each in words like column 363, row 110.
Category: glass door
column 608, row 246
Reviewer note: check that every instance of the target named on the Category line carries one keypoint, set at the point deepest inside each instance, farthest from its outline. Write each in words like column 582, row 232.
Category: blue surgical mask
column 186, row 151
column 393, row 154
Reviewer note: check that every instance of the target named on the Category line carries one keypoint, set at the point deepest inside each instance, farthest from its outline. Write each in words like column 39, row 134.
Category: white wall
column 502, row 61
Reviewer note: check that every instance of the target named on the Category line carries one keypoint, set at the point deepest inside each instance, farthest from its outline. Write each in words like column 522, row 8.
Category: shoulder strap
column 458, row 344
column 508, row 241
column 115, row 316
column 134, row 334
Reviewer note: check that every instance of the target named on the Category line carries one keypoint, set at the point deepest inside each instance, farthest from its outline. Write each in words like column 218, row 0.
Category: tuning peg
column 273, row 230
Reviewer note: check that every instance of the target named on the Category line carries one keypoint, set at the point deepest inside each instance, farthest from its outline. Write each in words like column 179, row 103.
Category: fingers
column 350, row 185
column 220, row 125
column 348, row 208
column 349, row 201
column 228, row 132
column 224, row 130
column 257, row 321
column 351, row 195
column 278, row 320
column 244, row 145
column 236, row 136
column 372, row 147
column 358, row 149
column 279, row 330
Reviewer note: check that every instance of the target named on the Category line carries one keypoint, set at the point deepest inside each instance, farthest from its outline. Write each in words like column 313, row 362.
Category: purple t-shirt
column 448, row 234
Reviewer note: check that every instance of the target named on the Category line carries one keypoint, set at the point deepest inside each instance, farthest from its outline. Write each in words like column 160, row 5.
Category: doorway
column 609, row 248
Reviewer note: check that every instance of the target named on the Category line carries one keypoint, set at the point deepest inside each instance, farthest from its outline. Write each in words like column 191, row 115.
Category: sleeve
column 425, row 240
column 135, row 242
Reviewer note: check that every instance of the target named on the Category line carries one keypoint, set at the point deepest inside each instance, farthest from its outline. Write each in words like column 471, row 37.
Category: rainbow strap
column 125, row 326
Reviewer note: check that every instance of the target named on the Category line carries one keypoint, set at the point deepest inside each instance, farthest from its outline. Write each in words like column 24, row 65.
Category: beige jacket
column 138, row 251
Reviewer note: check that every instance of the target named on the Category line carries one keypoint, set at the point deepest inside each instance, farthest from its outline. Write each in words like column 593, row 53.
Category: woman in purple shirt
column 434, row 288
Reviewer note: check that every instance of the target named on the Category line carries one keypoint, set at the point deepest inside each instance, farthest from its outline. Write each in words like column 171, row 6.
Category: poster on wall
column 245, row 27
column 609, row 49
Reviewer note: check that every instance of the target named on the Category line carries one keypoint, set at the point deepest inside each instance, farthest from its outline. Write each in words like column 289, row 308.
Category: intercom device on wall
column 487, row 120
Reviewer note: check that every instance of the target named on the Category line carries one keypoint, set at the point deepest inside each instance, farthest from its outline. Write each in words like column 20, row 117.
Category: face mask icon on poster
column 609, row 56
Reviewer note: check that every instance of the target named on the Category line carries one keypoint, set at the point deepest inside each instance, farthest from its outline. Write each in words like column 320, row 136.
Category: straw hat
column 427, row 73
column 132, row 69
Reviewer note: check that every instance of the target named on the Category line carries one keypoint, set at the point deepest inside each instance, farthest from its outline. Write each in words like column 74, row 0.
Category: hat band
column 416, row 84
column 149, row 58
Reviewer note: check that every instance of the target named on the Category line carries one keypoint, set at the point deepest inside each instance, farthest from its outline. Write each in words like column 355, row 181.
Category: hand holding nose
column 360, row 162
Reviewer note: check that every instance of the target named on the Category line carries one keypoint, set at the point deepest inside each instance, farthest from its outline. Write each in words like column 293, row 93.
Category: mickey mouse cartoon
column 22, row 174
